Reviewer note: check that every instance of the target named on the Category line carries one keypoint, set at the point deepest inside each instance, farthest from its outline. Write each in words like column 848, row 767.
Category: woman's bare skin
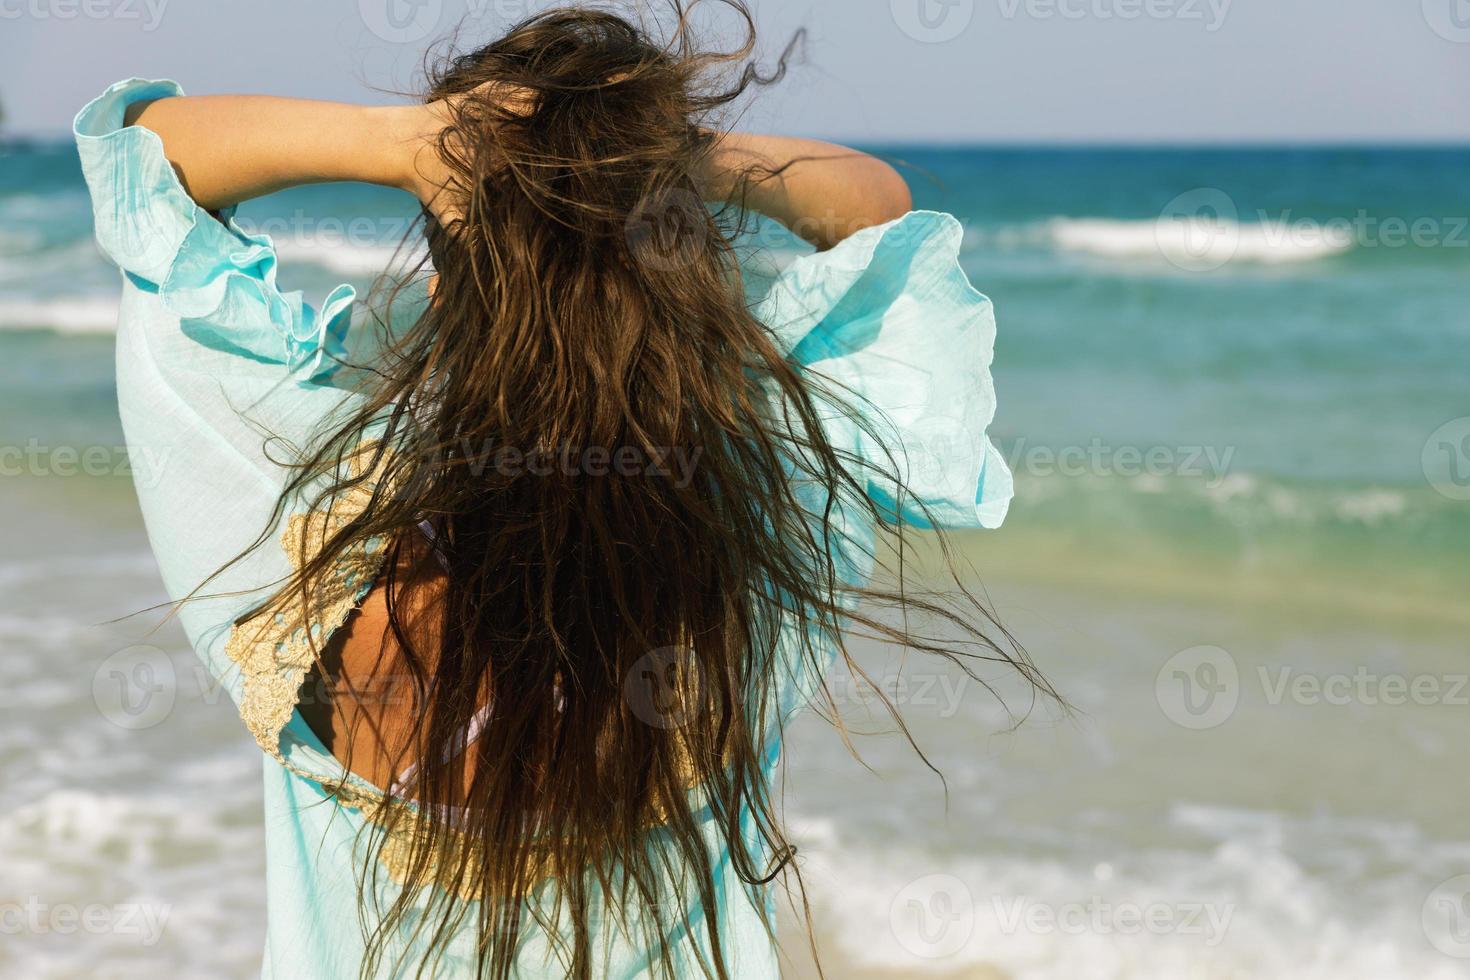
column 360, row 698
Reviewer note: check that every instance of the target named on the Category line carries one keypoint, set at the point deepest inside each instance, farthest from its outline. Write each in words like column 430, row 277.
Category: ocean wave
column 139, row 823
column 1194, row 243
column 97, row 314
column 1235, row 496
column 1289, row 504
column 12, row 241
column 25, row 257
column 67, row 314
column 70, row 569
column 43, row 208
column 176, row 865
column 1266, row 896
column 347, row 259
column 1197, row 240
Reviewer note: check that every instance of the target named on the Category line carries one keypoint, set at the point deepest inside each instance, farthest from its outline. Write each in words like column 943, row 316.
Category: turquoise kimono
column 219, row 371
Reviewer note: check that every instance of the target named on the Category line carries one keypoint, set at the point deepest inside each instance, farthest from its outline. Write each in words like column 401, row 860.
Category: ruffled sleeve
column 219, row 281
column 888, row 322
column 223, row 379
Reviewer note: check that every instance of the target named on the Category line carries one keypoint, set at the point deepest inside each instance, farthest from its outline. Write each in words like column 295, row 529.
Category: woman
column 518, row 609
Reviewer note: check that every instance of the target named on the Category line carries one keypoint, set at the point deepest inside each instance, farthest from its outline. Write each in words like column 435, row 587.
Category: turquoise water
column 1248, row 431
column 1271, row 416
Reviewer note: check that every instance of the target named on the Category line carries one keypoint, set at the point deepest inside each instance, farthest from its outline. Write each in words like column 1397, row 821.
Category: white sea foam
column 1247, row 499
column 41, row 208
column 1206, row 241
column 1234, row 485
column 66, row 314
column 12, row 241
column 344, row 258
column 153, row 835
column 1189, row 243
column 116, row 854
column 25, row 258
column 1248, row 902
column 113, row 567
column 1371, row 507
column 98, row 314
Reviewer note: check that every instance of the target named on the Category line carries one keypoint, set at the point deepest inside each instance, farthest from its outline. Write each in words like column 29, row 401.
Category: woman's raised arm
column 821, row 191
column 230, row 148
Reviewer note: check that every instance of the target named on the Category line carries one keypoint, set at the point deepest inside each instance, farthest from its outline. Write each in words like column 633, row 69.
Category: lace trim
column 274, row 652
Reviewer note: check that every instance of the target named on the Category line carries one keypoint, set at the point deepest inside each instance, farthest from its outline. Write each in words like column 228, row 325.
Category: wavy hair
column 630, row 626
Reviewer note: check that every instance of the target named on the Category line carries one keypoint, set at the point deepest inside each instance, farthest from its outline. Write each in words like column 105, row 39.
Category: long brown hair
column 680, row 527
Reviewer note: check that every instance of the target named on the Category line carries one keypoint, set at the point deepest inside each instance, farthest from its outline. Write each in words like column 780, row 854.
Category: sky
column 932, row 71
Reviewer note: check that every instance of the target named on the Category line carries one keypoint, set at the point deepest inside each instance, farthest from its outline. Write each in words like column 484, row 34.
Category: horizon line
column 1032, row 143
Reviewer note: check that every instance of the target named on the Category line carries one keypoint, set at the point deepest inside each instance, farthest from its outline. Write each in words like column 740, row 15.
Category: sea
column 1234, row 386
